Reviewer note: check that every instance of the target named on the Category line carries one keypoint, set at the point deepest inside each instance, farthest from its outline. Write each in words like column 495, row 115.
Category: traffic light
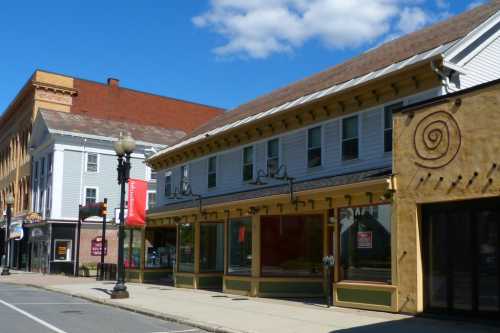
column 103, row 209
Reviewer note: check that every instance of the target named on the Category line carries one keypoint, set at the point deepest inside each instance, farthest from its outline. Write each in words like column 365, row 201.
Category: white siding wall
column 483, row 67
column 293, row 153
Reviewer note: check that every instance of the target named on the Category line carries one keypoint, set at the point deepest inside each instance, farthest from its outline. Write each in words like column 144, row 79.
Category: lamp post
column 6, row 264
column 123, row 148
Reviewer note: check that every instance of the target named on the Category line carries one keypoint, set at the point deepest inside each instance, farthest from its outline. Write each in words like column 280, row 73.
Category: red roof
column 110, row 101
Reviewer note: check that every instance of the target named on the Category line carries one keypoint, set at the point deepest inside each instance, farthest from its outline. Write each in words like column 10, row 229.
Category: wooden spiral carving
column 437, row 140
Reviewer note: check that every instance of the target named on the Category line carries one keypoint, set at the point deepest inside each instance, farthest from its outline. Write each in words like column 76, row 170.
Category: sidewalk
column 219, row 312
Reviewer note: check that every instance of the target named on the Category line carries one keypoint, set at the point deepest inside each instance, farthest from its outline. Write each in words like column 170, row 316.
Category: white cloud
column 259, row 28
column 475, row 4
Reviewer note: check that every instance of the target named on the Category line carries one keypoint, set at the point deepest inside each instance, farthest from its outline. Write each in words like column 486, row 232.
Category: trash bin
column 106, row 272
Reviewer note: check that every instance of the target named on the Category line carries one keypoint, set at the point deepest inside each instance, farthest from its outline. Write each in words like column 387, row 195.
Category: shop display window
column 240, row 246
column 62, row 249
column 365, row 243
column 292, row 245
column 211, row 247
column 160, row 248
column 186, row 248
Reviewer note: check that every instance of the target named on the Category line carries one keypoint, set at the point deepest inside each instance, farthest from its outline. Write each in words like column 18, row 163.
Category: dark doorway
column 461, row 252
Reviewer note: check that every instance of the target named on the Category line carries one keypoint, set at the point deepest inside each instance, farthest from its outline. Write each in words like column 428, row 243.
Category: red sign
column 365, row 240
column 96, row 247
column 137, row 195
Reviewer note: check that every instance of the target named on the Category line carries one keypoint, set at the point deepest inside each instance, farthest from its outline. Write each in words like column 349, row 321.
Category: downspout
column 445, row 80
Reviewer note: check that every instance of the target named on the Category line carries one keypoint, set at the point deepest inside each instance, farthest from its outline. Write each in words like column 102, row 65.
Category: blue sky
column 217, row 52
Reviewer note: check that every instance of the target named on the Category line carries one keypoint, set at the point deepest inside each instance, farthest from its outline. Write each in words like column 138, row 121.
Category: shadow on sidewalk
column 427, row 325
column 106, row 291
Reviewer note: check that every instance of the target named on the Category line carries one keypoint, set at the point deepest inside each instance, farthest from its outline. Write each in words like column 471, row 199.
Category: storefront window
column 186, row 248
column 211, row 247
column 62, row 250
column 160, row 248
column 240, row 246
column 365, row 241
column 126, row 247
column 292, row 245
column 132, row 248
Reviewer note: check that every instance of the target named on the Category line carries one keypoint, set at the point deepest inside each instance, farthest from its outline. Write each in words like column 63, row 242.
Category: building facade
column 74, row 163
column 107, row 102
column 259, row 196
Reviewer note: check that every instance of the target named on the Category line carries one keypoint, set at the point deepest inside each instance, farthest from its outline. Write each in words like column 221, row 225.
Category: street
column 25, row 309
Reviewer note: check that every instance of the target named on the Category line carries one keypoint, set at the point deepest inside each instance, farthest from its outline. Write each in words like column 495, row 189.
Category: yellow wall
column 459, row 167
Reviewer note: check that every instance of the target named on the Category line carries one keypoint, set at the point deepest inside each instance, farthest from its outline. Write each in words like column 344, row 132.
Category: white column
column 57, row 182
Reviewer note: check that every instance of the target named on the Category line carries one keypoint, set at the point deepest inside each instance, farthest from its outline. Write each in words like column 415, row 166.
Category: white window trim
column 96, row 188
column 168, row 173
column 383, row 122
column 341, row 130
column 279, row 150
column 322, row 138
column 216, row 171
column 254, row 165
column 70, row 254
column 182, row 176
column 87, row 161
column 149, row 172
column 147, row 198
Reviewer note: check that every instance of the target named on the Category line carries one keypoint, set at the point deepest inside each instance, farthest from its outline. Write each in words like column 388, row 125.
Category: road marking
column 32, row 317
column 51, row 303
column 190, row 330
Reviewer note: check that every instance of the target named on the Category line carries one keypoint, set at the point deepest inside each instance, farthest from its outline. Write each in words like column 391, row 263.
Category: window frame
column 321, row 145
column 243, row 164
column 184, row 181
column 70, row 253
column 148, row 201
column 96, row 188
column 50, row 163
column 389, row 107
column 270, row 158
column 87, row 162
column 213, row 172
column 168, row 174
column 338, row 241
column 358, row 137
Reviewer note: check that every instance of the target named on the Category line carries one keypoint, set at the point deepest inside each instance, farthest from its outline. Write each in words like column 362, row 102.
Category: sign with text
column 365, row 240
column 16, row 230
column 137, row 195
column 97, row 247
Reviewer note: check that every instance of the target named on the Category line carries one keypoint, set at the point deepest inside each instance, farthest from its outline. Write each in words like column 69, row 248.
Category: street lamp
column 123, row 148
column 6, row 264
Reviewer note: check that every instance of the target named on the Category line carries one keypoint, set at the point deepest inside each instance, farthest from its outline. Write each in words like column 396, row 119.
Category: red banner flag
column 137, row 194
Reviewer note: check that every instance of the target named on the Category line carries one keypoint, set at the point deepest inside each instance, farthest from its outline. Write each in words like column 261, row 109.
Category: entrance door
column 461, row 249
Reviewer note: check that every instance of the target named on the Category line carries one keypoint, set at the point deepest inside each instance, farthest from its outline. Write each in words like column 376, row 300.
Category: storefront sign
column 365, row 240
column 137, row 195
column 16, row 230
column 96, row 247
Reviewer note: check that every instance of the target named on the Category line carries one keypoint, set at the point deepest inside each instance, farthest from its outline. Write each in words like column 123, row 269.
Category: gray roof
column 85, row 125
column 323, row 182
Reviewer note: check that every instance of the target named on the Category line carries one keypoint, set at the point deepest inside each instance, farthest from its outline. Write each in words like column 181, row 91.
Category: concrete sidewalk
column 219, row 312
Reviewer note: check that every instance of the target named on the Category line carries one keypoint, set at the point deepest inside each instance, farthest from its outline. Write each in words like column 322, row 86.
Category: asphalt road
column 31, row 310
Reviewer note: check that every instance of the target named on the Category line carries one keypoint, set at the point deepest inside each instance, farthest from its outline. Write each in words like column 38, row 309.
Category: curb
column 163, row 316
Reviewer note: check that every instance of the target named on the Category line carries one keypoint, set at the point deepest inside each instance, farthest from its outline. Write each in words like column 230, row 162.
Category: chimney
column 112, row 82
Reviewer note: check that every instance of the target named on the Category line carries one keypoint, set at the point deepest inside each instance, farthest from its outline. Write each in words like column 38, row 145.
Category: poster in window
column 62, row 249
column 365, row 240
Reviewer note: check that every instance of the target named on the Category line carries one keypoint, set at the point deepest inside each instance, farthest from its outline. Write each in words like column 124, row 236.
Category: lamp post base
column 5, row 271
column 119, row 294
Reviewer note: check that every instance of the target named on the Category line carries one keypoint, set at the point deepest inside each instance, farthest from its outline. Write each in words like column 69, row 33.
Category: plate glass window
column 240, row 246
column 160, row 247
column 272, row 156
column 350, row 139
column 62, row 250
column 92, row 162
column 365, row 243
column 388, row 110
column 248, row 163
column 186, row 248
column 49, row 163
column 314, row 147
column 212, row 171
column 168, row 183
column 90, row 196
column 212, row 247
